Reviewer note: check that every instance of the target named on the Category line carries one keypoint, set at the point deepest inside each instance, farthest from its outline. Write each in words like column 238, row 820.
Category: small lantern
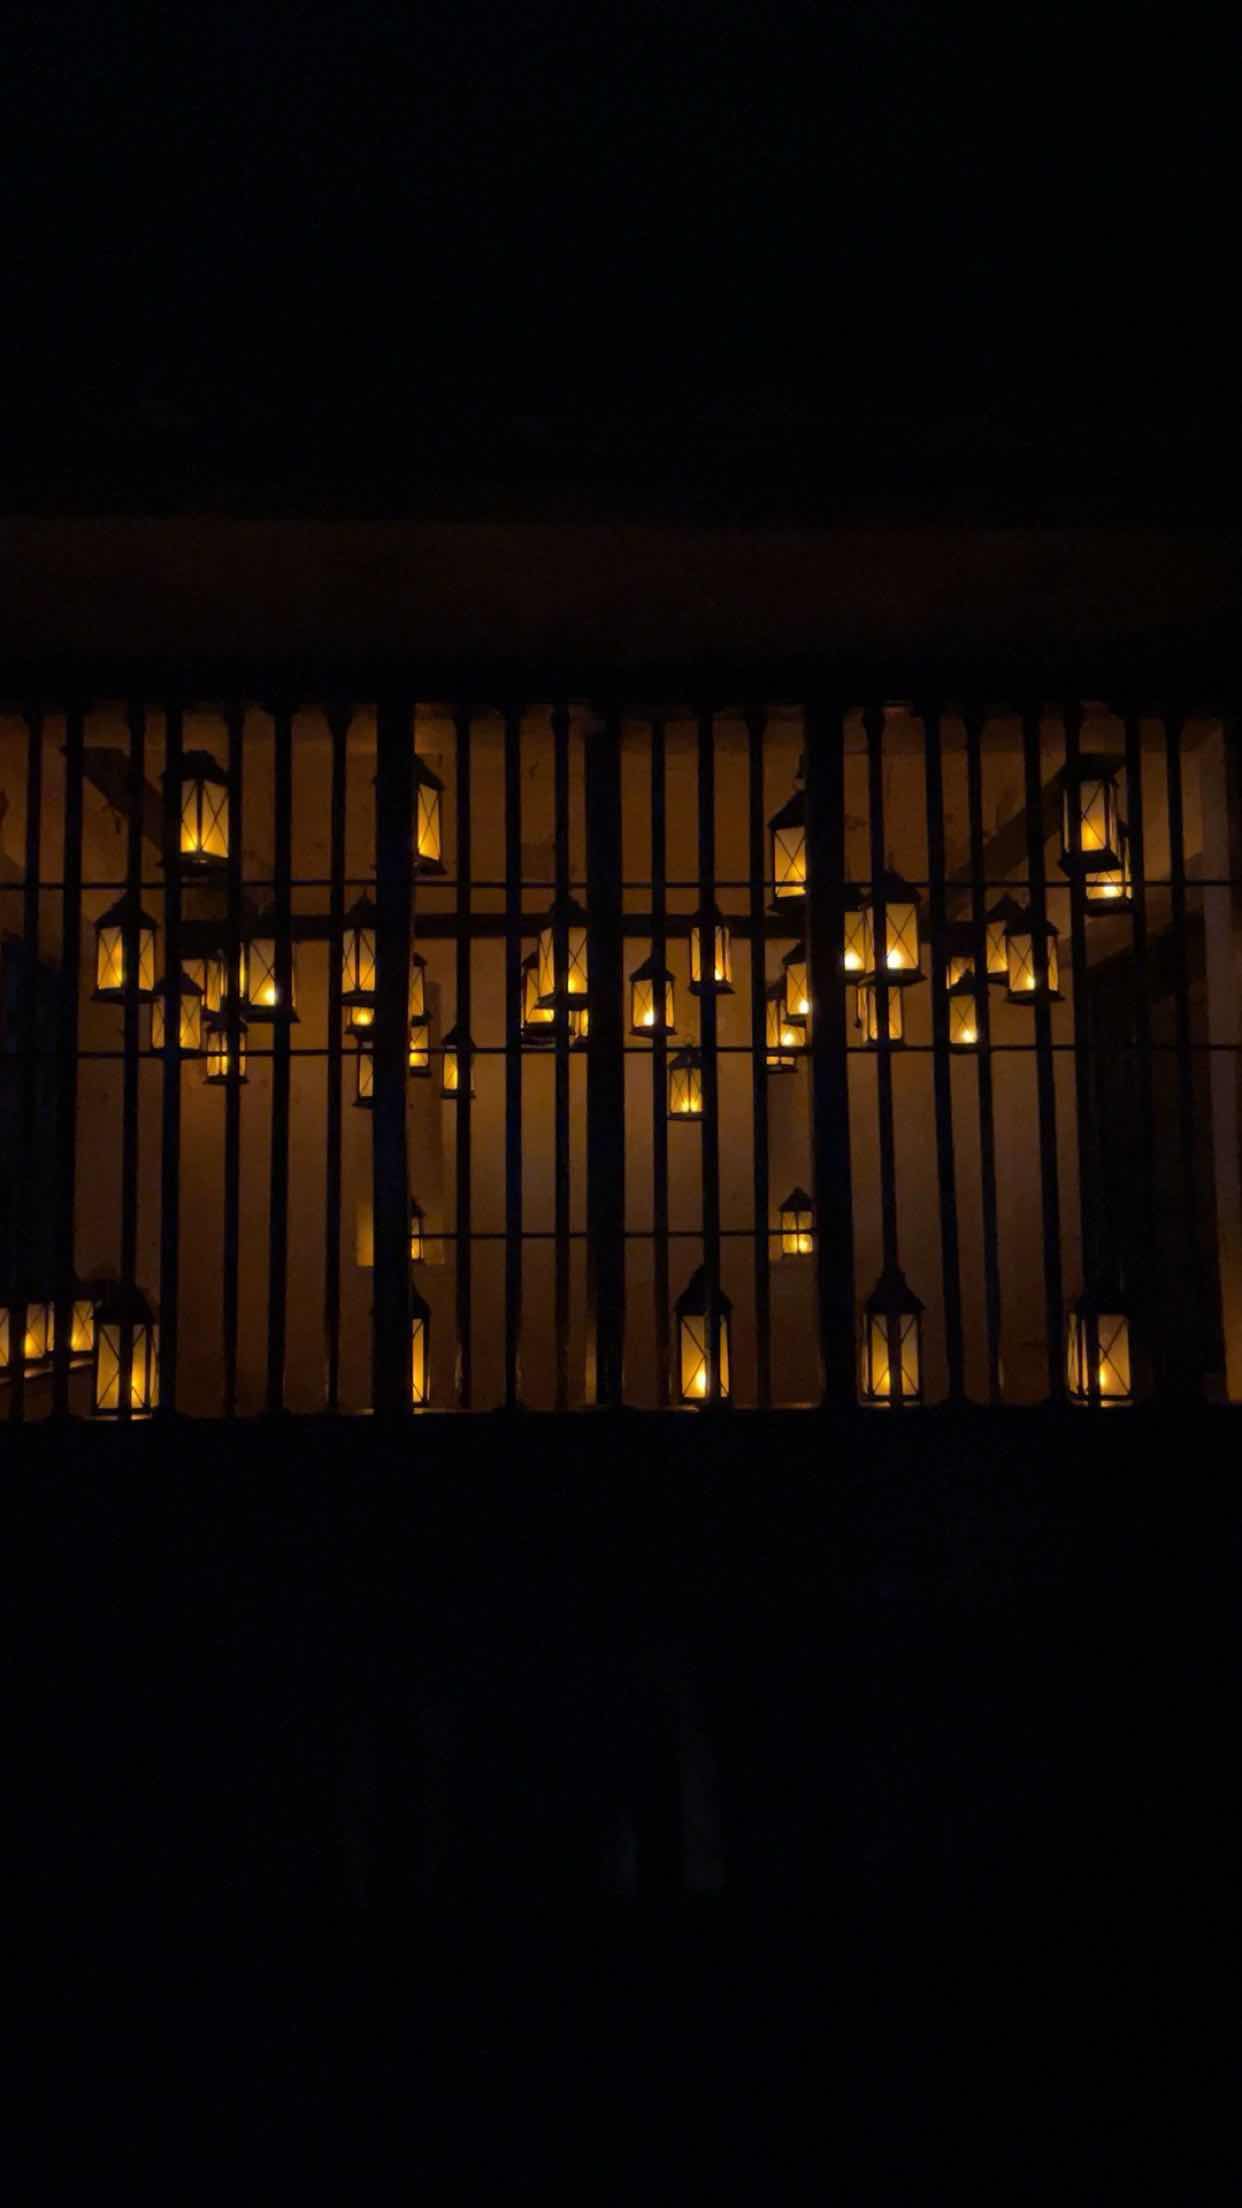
column 124, row 952
column 538, row 1020
column 788, row 832
column 653, row 1000
column 203, row 841
column 1111, row 890
column 364, row 1077
column 895, row 930
column 209, row 972
column 82, row 1325
column 420, row 1048
column 797, row 985
column 571, row 916
column 782, row 1038
column 685, row 1085
column 997, row 920
column 418, row 1241
column 189, row 1001
column 358, row 956
column 964, row 1013
column 39, row 1336
column 1090, row 815
column 1022, row 937
column 711, row 929
column 428, row 832
column 694, row 1341
column 226, row 1053
column 456, row 1067
column 891, row 1349
column 867, row 1016
column 579, row 1026
column 1098, row 1367
column 856, row 956
column 418, row 986
column 361, row 1020
column 261, row 999
column 420, row 1350
column 125, row 1323
column 797, row 1215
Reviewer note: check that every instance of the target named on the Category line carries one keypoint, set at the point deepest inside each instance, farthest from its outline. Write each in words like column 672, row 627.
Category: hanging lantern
column 203, row 841
column 1022, row 937
column 867, row 1016
column 418, row 1243
column 857, row 956
column 538, row 1020
column 797, row 1215
column 208, row 972
column 894, row 928
column 891, row 1350
column 781, row 1036
column 653, row 1000
column 571, row 916
column 788, row 831
column 124, row 952
column 685, row 1085
column 1111, row 890
column 358, row 956
column 418, row 986
column 420, row 1048
column 364, row 1077
column 188, row 998
column 964, row 1014
column 1090, row 815
column 428, row 832
column 420, row 1350
column 38, row 1334
column 1097, row 1350
column 694, row 1341
column 226, row 1053
column 125, row 1323
column 456, row 1067
column 261, row 998
column 711, row 952
column 579, row 1026
column 797, row 985
column 997, row 920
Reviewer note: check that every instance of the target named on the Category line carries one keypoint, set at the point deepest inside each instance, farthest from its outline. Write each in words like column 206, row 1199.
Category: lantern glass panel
column 144, row 1369
column 685, row 1086
column 535, row 1015
column 204, row 821
column 190, row 1021
column 1023, row 974
column 82, row 1328
column 5, row 1337
column 264, row 988
column 40, row 1334
column 789, row 860
column 646, row 994
column 963, row 1021
column 858, row 952
column 718, row 934
column 358, row 964
column 223, row 1049
column 576, row 962
column 868, row 1015
column 1113, row 1378
column 797, row 1230
column 455, row 1082
column 579, row 1022
column 901, row 938
column 885, row 1379
column 797, row 984
column 418, row 986
column 364, row 1078
column 1111, row 890
column 781, row 1037
column 361, row 1019
column 417, row 1238
column 997, row 951
column 420, row 1047
column 420, row 1363
column 957, row 967
column 1093, row 797
column 695, row 1357
column 429, row 832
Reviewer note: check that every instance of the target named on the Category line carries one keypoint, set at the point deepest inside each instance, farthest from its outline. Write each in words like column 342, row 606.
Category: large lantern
column 418, row 1239
column 998, row 918
column 797, row 985
column 1112, row 889
column 126, row 1332
column 203, row 836
column 797, row 1215
column 685, row 1085
column 856, row 953
column 573, row 919
column 209, row 972
column 894, row 932
column 185, row 999
column 124, row 953
column 1090, row 815
column 358, row 956
column 788, row 832
column 364, row 1077
column 711, row 954
column 226, row 1053
column 1097, row 1350
column 868, row 1017
column 538, row 1020
column 261, row 1000
column 783, row 1038
column 420, row 1350
column 964, row 1013
column 420, row 1048
column 456, row 1067
column 1022, row 938
column 891, row 1346
column 653, row 1000
column 428, row 831
column 695, row 1346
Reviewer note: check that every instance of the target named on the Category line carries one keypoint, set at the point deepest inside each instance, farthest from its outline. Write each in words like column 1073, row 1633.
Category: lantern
column 894, row 932
column 364, row 1077
column 695, row 1344
column 1022, row 938
column 358, row 956
column 867, row 1016
column 685, row 1085
column 788, row 831
column 1097, row 1350
column 1111, row 890
column 124, row 953
column 261, row 993
column 797, row 985
column 963, row 1014
column 188, row 998
column 82, row 1325
column 226, row 1053
column 1091, row 823
column 797, row 1215
column 418, row 986
column 420, row 1350
column 711, row 954
column 570, row 916
column 126, row 1333
column 420, row 1048
column 203, row 840
column 456, row 1067
column 579, row 1026
column 782, row 1038
column 856, row 957
column 653, row 1000
column 38, row 1335
column 538, row 1020
column 428, row 834
column 959, row 952
column 997, row 950
column 891, row 1349
column 417, row 1238
column 209, row 972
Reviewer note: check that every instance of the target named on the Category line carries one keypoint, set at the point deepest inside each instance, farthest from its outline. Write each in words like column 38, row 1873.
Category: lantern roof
column 563, row 908
column 792, row 814
column 966, row 985
column 1093, row 766
column 692, row 1302
column 1025, row 921
column 121, row 1305
column 688, row 1055
column 650, row 971
column 798, row 1200
column 416, row 1209
column 891, row 888
column 453, row 1040
column 1005, row 908
column 197, row 766
column 362, row 912
column 126, row 910
column 1105, row 1297
column 181, row 985
column 419, row 1306
column 893, row 1295
column 798, row 951
column 425, row 774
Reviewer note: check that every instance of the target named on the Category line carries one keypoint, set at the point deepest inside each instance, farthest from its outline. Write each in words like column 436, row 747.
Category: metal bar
column 392, row 1391
column 983, row 1061
column 873, row 722
column 1084, row 1106
column 464, row 1283
column 339, row 724
column 232, row 1094
column 830, row 1092
column 942, row 1072
column 1190, row 1376
column 707, row 1034
column 560, row 736
column 135, row 792
column 659, row 1071
column 67, row 1055
column 513, row 1057
column 278, row 1201
column 605, row 1070
column 1049, row 1176
column 1151, row 1272
column 28, row 1031
column 170, row 1147
column 755, row 727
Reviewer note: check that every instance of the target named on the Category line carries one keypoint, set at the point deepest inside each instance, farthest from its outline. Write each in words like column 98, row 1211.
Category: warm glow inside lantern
column 1090, row 815
column 857, row 957
column 711, row 953
column 869, row 1018
column 428, row 831
column 420, row 1350
column 226, row 1049
column 570, row 918
column 685, row 1085
column 417, row 1236
column 126, row 1334
column 189, row 1014
column 124, row 953
column 361, row 1020
column 420, row 1048
column 894, row 926
column 82, row 1327
column 456, row 1067
column 1005, row 910
column 698, row 1359
column 797, row 985
column 1112, row 889
column 208, row 972
column 1023, row 936
column 782, row 1037
column 538, row 1020
column 579, row 1026
column 797, row 1215
column 262, row 985
column 1097, row 1351
column 38, row 1334
column 358, row 956
column 788, row 832
column 204, row 832
column 891, row 1345
column 653, row 1000
column 963, row 1013
column 364, row 1077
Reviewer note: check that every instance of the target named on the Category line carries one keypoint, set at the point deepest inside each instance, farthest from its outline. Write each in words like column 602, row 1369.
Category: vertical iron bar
column 513, row 1056
column 560, row 736
column 1049, row 1174
column 605, row 1068
column 464, row 863
column 707, row 1031
column 278, row 1208
column 1084, row 1110
column 830, row 1089
column 756, row 724
column 1141, row 1010
column 67, row 1055
column 170, row 1149
column 987, row 1124
column 942, row 1072
column 338, row 724
column 31, row 1060
column 392, row 1391
column 659, row 1070
column 1191, row 1374
column 135, row 794
column 873, row 722
column 232, row 1094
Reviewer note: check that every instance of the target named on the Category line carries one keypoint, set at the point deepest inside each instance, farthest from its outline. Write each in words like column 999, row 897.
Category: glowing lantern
column 420, row 1048
column 571, row 916
column 361, row 1019
column 579, row 1026
column 1022, row 937
column 538, row 1020
column 208, row 971
column 867, row 1017
column 358, row 956
column 204, row 832
column 38, row 1334
column 797, row 1215
column 695, row 1344
column 226, row 1053
column 126, row 1332
column 420, row 1350
column 428, row 833
column 1005, row 910
column 1112, row 890
column 417, row 1238
column 963, row 1014
column 261, row 993
column 891, row 1349
column 418, row 986
column 1091, row 824
column 782, row 1037
column 189, row 1000
column 856, row 957
column 788, row 832
column 364, row 1078
column 959, row 952
column 653, row 1000
column 685, row 1085
column 797, row 985
column 456, row 1067
column 894, row 932
column 1097, row 1350
column 124, row 953
column 711, row 953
